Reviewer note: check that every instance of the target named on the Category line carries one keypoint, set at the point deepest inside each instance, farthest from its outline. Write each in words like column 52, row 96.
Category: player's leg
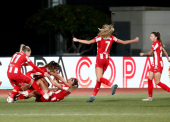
column 99, row 74
column 150, row 87
column 36, row 87
column 159, row 83
column 10, row 98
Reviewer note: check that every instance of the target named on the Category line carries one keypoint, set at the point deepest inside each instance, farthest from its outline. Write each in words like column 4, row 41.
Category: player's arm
column 58, row 85
column 166, row 54
column 25, row 64
column 0, row 63
column 84, row 41
column 128, row 41
column 58, row 77
column 148, row 53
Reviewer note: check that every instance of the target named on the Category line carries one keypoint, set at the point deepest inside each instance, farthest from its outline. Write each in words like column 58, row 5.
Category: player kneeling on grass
column 57, row 95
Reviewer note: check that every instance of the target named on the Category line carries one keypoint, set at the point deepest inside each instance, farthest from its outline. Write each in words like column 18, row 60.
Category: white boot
column 24, row 93
column 10, row 100
column 147, row 99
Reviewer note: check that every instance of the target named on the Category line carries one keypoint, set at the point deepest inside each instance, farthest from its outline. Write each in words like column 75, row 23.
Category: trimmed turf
column 105, row 108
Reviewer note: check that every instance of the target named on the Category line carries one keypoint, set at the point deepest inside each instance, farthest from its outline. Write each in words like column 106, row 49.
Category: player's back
column 16, row 61
column 104, row 44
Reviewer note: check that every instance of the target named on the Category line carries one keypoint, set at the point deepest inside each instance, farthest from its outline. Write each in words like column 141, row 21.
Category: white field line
column 123, row 114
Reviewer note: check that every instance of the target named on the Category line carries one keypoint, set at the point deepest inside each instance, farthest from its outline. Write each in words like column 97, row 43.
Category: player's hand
column 136, row 39
column 141, row 54
column 168, row 60
column 75, row 39
column 46, row 74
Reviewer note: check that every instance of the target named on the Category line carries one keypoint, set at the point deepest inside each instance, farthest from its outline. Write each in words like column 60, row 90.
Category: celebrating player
column 157, row 64
column 57, row 95
column 51, row 68
column 15, row 76
column 104, row 41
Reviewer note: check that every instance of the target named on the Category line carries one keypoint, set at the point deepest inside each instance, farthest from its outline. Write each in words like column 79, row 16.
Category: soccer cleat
column 10, row 100
column 15, row 97
column 114, row 87
column 24, row 93
column 92, row 98
column 147, row 99
column 46, row 96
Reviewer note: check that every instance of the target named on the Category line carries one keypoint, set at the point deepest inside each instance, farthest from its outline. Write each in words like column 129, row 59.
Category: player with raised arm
column 104, row 41
column 157, row 64
column 15, row 76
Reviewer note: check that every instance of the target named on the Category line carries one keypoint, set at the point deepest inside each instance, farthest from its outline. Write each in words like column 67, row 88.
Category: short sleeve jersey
column 104, row 44
column 157, row 54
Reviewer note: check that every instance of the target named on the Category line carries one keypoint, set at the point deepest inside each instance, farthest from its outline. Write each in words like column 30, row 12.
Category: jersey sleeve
column 27, row 59
column 35, row 67
column 154, row 46
column 97, row 39
column 29, row 74
column 115, row 39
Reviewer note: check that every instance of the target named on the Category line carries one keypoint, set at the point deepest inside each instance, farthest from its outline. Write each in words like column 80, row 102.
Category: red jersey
column 56, row 96
column 157, row 54
column 104, row 45
column 59, row 95
column 34, row 73
column 17, row 60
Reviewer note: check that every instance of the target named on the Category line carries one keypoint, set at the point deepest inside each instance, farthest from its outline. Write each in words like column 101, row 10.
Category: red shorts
column 156, row 69
column 18, row 79
column 102, row 63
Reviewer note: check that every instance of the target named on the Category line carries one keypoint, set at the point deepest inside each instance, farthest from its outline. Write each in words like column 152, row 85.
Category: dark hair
column 75, row 84
column 158, row 35
column 52, row 65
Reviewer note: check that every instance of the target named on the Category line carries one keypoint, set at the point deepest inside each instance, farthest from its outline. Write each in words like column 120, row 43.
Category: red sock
column 36, row 87
column 163, row 86
column 15, row 91
column 150, row 87
column 97, row 87
column 105, row 81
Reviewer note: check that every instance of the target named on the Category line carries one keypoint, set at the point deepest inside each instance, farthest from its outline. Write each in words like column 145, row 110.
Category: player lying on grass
column 57, row 95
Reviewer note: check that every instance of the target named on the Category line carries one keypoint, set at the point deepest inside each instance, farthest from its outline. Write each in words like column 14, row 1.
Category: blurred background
column 48, row 26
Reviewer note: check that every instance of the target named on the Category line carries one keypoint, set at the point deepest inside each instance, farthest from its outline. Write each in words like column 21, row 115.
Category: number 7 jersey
column 104, row 45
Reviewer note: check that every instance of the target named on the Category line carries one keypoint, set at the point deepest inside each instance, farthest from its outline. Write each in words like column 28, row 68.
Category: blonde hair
column 106, row 31
column 24, row 48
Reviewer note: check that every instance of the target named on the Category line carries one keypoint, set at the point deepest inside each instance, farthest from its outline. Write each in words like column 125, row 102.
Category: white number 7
column 108, row 43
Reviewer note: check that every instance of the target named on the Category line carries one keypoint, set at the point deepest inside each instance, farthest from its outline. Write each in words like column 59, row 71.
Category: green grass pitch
column 105, row 108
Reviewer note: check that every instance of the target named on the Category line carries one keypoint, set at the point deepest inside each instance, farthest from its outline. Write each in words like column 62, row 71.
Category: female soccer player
column 52, row 69
column 57, row 94
column 104, row 41
column 157, row 64
column 17, row 78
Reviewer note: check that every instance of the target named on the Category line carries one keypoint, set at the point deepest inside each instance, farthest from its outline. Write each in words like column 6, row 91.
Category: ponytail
column 24, row 48
column 158, row 35
column 21, row 47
